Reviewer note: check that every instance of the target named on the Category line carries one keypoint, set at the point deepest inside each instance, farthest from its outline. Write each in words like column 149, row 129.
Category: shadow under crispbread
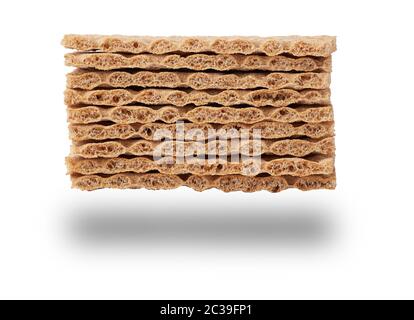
column 215, row 224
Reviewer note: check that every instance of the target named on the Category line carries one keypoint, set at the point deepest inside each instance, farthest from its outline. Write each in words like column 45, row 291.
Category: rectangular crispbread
column 200, row 132
column 198, row 166
column 89, row 80
column 229, row 113
column 197, row 62
column 219, row 115
column 285, row 147
column 179, row 98
column 321, row 46
column 229, row 183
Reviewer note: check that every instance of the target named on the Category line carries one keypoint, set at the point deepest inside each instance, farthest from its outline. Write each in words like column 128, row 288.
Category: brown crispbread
column 89, row 80
column 220, row 115
column 197, row 62
column 229, row 113
column 256, row 98
column 230, row 183
column 289, row 147
column 197, row 132
column 200, row 166
column 322, row 46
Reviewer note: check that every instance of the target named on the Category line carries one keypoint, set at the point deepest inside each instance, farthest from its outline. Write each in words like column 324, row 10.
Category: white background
column 355, row 242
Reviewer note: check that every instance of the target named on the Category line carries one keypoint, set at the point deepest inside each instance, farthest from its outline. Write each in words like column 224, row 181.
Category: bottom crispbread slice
column 292, row 147
column 249, row 166
column 230, row 183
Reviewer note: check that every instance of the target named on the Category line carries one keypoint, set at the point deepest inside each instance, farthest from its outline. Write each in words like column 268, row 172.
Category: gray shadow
column 210, row 224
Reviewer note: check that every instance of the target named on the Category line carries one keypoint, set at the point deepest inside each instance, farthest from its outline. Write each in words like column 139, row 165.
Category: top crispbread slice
column 138, row 147
column 320, row 46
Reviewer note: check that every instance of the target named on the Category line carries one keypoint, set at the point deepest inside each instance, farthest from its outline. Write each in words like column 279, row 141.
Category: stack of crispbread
column 232, row 113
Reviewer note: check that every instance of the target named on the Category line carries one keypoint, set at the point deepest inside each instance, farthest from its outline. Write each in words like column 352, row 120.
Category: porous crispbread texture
column 249, row 166
column 229, row 183
column 89, row 80
column 220, row 115
column 256, row 98
column 272, row 46
column 198, row 62
column 291, row 147
column 198, row 132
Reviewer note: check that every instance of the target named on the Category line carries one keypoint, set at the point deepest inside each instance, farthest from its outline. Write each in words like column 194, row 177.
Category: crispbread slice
column 256, row 98
column 291, row 147
column 198, row 62
column 220, row 115
column 295, row 45
column 297, row 167
column 230, row 183
column 199, row 132
column 89, row 80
